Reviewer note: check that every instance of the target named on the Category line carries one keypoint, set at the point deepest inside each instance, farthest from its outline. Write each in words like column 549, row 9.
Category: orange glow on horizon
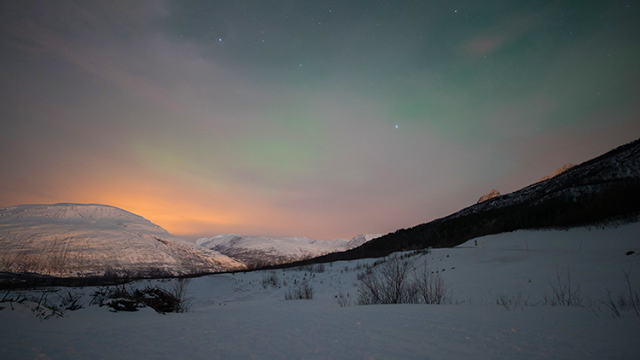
column 183, row 205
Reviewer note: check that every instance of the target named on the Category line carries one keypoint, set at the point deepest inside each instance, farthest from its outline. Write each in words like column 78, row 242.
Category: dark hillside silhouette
column 600, row 191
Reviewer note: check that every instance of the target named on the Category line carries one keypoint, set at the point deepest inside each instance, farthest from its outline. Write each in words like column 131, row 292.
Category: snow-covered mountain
column 69, row 240
column 261, row 250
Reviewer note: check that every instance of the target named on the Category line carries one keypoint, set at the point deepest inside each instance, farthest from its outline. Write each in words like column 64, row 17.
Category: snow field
column 235, row 316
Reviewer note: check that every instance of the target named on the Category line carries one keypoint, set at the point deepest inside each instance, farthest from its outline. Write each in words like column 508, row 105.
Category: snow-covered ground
column 233, row 316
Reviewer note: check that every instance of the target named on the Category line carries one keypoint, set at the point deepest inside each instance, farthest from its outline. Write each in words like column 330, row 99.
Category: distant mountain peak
column 490, row 195
column 256, row 251
column 557, row 172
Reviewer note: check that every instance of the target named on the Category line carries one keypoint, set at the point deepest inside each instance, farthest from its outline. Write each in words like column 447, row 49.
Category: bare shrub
column 611, row 303
column 45, row 308
column 179, row 292
column 634, row 296
column 563, row 292
column 397, row 280
column 386, row 283
column 42, row 304
column 120, row 297
column 511, row 302
column 430, row 287
column 70, row 301
column 11, row 297
column 270, row 279
column 343, row 300
column 302, row 291
column 629, row 299
column 125, row 298
column 367, row 271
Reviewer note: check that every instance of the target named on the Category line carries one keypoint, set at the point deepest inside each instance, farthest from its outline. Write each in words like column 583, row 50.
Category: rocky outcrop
column 557, row 172
column 490, row 195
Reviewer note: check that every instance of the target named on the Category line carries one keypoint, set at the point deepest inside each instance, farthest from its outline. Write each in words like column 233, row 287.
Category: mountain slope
column 597, row 191
column 256, row 251
column 70, row 240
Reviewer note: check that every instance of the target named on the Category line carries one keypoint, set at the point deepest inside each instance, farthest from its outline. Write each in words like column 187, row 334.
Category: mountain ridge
column 604, row 189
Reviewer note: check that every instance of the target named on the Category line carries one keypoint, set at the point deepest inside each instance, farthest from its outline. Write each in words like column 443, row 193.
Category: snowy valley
column 496, row 284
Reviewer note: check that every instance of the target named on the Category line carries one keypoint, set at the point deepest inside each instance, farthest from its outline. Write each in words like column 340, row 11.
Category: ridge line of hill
column 603, row 190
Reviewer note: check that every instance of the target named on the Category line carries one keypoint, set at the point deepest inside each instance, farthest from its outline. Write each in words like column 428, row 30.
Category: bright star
column 396, row 126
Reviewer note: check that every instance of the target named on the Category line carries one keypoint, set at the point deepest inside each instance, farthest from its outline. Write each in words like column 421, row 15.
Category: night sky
column 323, row 119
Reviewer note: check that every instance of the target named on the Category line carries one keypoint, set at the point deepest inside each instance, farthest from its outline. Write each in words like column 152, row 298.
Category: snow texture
column 234, row 316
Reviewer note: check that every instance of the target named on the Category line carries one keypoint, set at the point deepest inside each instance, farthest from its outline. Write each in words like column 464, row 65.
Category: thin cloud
column 503, row 33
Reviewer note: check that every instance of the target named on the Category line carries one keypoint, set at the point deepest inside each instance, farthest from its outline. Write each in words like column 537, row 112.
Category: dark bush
column 302, row 291
column 125, row 298
column 397, row 281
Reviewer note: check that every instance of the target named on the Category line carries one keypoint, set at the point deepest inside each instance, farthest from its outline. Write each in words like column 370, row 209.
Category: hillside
column 79, row 240
column 599, row 191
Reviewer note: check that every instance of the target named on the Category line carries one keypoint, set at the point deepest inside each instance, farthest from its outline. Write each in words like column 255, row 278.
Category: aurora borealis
column 306, row 118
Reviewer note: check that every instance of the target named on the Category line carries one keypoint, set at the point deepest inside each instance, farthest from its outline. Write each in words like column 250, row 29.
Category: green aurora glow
column 319, row 119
